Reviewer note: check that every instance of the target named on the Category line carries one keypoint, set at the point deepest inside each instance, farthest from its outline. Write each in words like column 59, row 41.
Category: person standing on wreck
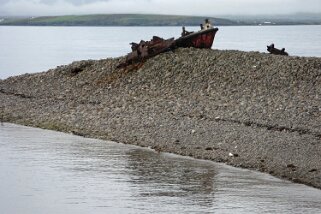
column 207, row 25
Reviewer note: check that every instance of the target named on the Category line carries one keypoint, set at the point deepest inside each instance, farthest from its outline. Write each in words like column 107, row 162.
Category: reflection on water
column 49, row 172
column 183, row 181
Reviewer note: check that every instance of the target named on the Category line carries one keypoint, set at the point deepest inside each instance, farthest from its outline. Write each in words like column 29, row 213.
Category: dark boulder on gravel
column 246, row 109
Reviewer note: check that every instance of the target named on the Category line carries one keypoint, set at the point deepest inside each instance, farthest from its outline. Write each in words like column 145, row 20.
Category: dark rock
column 290, row 165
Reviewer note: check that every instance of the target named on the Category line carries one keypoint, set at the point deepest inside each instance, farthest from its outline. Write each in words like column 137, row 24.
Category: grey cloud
column 74, row 2
column 180, row 7
column 3, row 2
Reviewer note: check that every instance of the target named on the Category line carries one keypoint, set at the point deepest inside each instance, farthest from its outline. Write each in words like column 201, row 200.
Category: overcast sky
column 180, row 7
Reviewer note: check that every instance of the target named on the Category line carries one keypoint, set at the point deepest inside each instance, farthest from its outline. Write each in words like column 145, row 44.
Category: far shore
column 160, row 20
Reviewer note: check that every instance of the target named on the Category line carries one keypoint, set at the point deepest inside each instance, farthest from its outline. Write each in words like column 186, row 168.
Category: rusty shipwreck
column 147, row 49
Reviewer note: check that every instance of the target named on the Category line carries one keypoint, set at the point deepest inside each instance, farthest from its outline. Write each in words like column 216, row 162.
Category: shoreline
column 246, row 109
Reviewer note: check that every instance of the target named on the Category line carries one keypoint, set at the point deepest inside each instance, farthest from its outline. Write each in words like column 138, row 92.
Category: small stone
column 291, row 165
column 233, row 154
column 247, row 123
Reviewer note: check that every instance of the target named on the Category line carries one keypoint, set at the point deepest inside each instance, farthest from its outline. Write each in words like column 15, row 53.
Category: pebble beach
column 246, row 109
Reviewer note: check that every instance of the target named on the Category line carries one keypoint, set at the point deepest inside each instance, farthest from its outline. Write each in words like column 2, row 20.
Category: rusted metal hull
column 200, row 39
column 147, row 49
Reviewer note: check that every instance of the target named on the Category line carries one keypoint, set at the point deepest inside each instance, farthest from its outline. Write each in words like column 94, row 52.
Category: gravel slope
column 247, row 109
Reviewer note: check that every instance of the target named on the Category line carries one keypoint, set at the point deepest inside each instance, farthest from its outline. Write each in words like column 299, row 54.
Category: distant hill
column 289, row 19
column 161, row 20
column 114, row 20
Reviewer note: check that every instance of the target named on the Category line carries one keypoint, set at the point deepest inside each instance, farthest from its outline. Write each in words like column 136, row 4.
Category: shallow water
column 36, row 49
column 43, row 171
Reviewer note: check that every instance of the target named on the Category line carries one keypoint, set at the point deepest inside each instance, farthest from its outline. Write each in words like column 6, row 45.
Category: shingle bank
column 247, row 109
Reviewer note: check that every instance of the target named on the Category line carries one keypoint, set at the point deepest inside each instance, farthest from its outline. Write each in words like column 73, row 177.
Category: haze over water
column 49, row 172
column 36, row 49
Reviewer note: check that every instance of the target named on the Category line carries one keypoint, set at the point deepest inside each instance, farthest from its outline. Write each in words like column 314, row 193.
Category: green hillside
column 114, row 20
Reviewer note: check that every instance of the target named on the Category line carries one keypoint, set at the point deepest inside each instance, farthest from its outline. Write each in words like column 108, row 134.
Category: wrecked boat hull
column 200, row 39
column 147, row 49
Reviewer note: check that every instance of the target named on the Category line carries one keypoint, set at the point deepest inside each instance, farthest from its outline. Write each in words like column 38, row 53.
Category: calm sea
column 36, row 49
column 49, row 172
